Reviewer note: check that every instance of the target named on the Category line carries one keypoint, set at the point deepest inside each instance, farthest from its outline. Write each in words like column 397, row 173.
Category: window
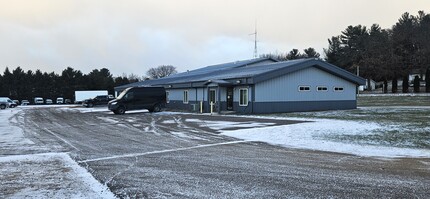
column 243, row 99
column 167, row 97
column 338, row 89
column 185, row 97
column 322, row 88
column 212, row 95
column 304, row 88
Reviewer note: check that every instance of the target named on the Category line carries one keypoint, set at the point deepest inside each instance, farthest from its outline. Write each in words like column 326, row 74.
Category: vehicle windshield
column 120, row 96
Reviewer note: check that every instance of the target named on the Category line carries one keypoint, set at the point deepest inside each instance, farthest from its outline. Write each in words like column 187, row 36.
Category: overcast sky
column 132, row 36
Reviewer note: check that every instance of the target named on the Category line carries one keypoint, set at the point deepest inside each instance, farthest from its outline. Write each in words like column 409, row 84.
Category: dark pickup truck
column 98, row 100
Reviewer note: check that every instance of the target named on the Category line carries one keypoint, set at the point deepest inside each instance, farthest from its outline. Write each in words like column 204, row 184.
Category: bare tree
column 161, row 71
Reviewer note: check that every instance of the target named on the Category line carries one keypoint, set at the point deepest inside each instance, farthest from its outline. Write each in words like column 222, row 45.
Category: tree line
column 385, row 54
column 20, row 84
column 380, row 54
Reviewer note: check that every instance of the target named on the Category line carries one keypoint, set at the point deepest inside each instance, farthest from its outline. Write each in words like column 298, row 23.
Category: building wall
column 277, row 95
column 285, row 88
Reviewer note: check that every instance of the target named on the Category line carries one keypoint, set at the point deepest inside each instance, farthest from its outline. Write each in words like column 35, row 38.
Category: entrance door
column 230, row 98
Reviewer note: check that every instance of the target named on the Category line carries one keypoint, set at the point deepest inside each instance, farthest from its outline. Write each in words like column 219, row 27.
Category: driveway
column 176, row 155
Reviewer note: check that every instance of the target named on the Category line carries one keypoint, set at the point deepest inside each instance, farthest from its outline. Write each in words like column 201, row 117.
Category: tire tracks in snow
column 162, row 151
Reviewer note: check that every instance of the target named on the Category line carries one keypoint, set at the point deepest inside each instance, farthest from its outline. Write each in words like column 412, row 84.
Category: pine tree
column 394, row 85
column 405, row 84
column 428, row 80
column 417, row 84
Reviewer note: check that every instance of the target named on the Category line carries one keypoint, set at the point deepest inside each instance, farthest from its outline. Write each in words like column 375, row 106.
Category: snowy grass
column 394, row 100
column 404, row 127
column 403, row 122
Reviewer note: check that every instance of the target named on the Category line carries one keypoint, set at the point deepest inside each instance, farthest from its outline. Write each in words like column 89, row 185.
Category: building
column 261, row 85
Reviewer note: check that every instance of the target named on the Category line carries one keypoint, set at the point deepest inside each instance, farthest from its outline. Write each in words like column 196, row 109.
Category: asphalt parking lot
column 174, row 155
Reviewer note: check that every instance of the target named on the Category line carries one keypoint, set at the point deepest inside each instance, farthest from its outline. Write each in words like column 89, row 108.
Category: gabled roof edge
column 309, row 63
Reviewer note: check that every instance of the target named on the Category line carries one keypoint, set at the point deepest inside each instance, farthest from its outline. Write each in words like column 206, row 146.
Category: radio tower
column 255, row 40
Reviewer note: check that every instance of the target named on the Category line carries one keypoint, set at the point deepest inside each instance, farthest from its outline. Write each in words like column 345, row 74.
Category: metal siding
column 200, row 94
column 175, row 94
column 223, row 93
column 178, row 94
column 285, row 88
column 285, row 107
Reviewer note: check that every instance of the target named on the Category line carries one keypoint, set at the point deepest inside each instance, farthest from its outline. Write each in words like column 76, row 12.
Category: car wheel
column 120, row 110
column 156, row 108
column 2, row 106
column 90, row 105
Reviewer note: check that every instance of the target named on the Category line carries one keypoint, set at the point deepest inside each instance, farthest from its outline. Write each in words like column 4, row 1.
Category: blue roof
column 248, row 69
column 194, row 74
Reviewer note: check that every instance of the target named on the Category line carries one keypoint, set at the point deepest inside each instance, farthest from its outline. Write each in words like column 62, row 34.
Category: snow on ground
column 312, row 136
column 48, row 175
column 11, row 135
column 219, row 125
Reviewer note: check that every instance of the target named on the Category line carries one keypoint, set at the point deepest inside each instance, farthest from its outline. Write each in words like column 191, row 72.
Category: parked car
column 67, row 101
column 48, row 101
column 8, row 102
column 17, row 102
column 38, row 100
column 135, row 98
column 24, row 102
column 3, row 105
column 98, row 100
column 60, row 100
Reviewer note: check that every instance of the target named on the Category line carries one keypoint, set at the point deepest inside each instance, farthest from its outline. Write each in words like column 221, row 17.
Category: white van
column 38, row 100
column 60, row 100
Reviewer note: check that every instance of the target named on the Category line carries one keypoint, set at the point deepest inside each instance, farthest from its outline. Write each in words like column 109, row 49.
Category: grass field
column 393, row 100
column 404, row 121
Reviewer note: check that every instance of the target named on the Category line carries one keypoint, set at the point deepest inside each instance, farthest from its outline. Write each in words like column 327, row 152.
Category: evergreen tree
column 311, row 53
column 428, row 80
column 294, row 54
column 405, row 84
column 417, row 84
column 7, row 82
column 394, row 85
column 334, row 52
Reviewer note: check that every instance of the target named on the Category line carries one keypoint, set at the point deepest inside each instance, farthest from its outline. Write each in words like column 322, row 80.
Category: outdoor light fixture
column 238, row 81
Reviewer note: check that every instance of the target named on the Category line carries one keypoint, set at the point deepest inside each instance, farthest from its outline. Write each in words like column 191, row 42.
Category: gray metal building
column 261, row 85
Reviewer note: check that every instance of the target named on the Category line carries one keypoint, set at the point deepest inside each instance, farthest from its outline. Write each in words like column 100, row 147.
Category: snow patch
column 11, row 135
column 220, row 125
column 312, row 136
column 76, row 182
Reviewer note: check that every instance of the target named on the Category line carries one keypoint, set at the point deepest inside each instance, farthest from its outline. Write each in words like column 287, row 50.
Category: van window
column 129, row 96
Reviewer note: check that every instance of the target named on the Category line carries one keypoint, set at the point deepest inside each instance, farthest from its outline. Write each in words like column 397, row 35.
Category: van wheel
column 156, row 108
column 120, row 110
column 2, row 106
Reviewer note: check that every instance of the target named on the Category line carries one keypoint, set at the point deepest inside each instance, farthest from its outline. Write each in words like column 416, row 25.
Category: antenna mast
column 255, row 40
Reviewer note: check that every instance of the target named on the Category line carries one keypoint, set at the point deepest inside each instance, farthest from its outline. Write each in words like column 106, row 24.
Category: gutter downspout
column 252, row 98
column 219, row 99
